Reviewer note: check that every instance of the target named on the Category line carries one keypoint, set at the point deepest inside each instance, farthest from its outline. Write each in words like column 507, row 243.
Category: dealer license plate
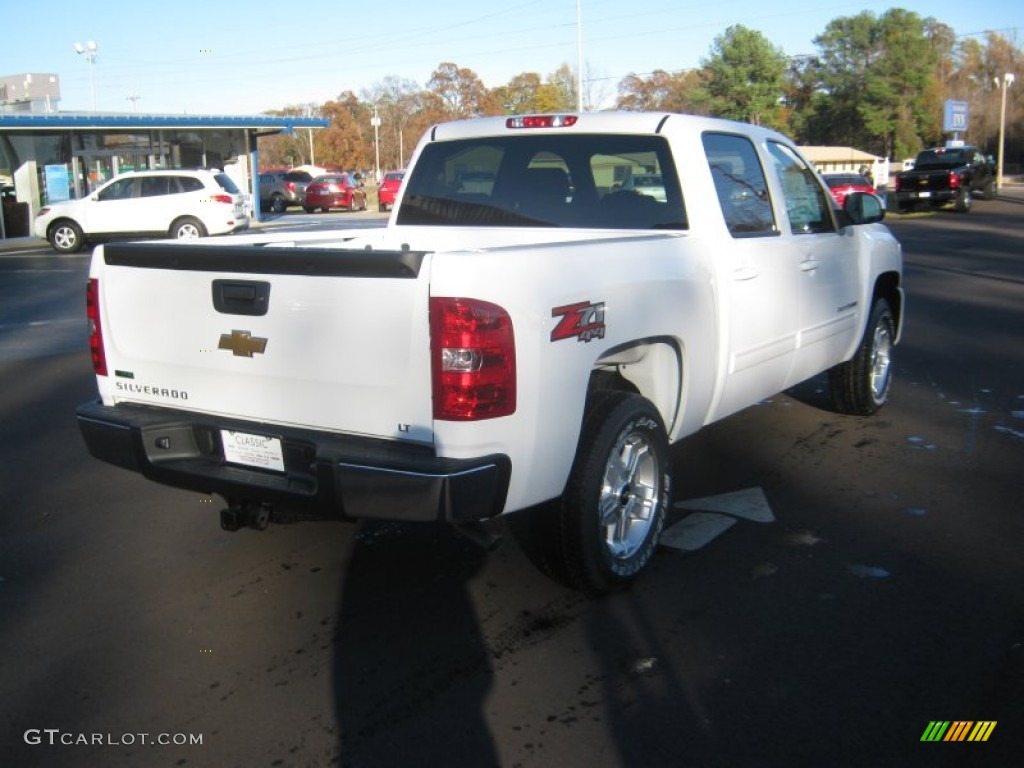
column 252, row 450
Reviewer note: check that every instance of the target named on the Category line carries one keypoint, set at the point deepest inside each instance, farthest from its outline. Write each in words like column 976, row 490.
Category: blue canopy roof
column 178, row 122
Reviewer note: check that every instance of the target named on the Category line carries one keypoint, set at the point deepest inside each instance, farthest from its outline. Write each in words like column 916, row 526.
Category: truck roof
column 592, row 122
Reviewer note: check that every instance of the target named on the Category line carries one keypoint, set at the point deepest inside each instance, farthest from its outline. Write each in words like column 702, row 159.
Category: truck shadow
column 411, row 670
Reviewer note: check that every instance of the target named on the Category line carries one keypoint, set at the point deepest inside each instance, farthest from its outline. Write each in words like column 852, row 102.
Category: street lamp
column 375, row 122
column 89, row 51
column 1004, row 83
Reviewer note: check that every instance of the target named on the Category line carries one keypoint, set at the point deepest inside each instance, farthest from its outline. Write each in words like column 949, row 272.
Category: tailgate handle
column 241, row 297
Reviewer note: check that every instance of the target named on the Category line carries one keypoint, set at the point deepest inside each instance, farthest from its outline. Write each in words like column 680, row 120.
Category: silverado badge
column 242, row 343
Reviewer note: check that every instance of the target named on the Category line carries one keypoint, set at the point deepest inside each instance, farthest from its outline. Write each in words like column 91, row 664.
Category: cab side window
column 807, row 203
column 740, row 185
column 154, row 186
column 188, row 184
column 124, row 189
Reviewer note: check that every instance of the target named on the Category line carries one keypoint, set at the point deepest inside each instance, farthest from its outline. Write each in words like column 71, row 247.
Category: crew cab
column 530, row 347
column 945, row 176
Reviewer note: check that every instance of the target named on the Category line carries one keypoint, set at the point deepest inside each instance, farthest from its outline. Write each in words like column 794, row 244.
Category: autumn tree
column 460, row 93
column 670, row 91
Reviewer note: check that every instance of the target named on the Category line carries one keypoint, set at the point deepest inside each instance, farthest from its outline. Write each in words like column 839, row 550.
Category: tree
column 877, row 83
column 348, row 140
column 746, row 77
column 399, row 104
column 460, row 93
column 283, row 150
column 519, row 95
column 682, row 91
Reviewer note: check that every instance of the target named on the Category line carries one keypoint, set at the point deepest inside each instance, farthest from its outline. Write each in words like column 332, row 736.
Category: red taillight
column 896, row 184
column 291, row 186
column 222, row 199
column 473, row 360
column 92, row 312
column 954, row 180
column 541, row 121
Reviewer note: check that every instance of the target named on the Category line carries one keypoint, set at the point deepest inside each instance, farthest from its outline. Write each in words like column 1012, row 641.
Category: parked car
column 180, row 204
column 842, row 184
column 334, row 190
column 281, row 189
column 388, row 189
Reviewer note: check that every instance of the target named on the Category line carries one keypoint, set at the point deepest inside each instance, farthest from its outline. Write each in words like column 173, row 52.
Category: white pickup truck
column 554, row 300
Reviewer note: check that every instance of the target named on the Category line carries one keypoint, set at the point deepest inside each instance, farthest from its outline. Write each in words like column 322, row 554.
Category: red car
column 334, row 190
column 842, row 184
column 388, row 189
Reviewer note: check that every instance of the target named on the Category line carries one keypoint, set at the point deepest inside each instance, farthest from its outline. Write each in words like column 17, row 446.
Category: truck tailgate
column 324, row 338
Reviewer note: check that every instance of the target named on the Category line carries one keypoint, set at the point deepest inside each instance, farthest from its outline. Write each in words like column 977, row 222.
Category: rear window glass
column 225, row 183
column 547, row 180
column 942, row 158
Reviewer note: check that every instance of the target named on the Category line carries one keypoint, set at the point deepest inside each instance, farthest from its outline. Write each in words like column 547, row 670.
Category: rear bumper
column 326, row 475
column 926, row 197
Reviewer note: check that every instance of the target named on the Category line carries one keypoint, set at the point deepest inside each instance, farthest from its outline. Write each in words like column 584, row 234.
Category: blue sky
column 246, row 57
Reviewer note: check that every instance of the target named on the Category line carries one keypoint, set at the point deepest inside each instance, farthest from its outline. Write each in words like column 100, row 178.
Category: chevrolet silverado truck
column 525, row 337
column 945, row 176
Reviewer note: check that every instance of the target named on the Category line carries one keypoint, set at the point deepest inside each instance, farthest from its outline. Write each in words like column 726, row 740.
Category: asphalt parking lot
column 869, row 586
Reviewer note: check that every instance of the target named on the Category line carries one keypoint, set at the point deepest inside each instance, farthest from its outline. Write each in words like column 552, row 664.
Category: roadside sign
column 956, row 119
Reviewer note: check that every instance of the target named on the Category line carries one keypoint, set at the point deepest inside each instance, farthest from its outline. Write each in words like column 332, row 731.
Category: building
column 850, row 160
column 80, row 151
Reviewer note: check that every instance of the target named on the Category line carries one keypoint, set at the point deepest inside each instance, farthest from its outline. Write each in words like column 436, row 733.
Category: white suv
column 181, row 204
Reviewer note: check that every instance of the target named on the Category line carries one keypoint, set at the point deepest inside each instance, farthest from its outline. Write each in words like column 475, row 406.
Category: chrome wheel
column 881, row 362
column 629, row 495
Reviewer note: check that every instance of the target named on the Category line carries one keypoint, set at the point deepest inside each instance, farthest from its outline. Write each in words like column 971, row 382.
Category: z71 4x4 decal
column 583, row 321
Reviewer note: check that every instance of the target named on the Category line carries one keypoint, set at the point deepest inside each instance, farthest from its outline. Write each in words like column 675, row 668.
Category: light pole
column 1004, row 83
column 311, row 111
column 375, row 122
column 89, row 51
column 579, row 55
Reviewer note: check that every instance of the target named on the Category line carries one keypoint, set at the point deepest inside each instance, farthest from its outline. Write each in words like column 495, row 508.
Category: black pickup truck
column 945, row 176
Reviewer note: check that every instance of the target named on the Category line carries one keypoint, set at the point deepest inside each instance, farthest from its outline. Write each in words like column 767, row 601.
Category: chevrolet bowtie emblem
column 242, row 343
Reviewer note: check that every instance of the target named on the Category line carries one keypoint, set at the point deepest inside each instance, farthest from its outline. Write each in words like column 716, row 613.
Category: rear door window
column 740, row 185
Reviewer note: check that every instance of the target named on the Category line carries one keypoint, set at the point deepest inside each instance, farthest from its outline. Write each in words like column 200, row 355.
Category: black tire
column 989, row 190
column 604, row 530
column 66, row 236
column 962, row 203
column 187, row 228
column 278, row 204
column 382, row 207
column 861, row 385
column 307, row 209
